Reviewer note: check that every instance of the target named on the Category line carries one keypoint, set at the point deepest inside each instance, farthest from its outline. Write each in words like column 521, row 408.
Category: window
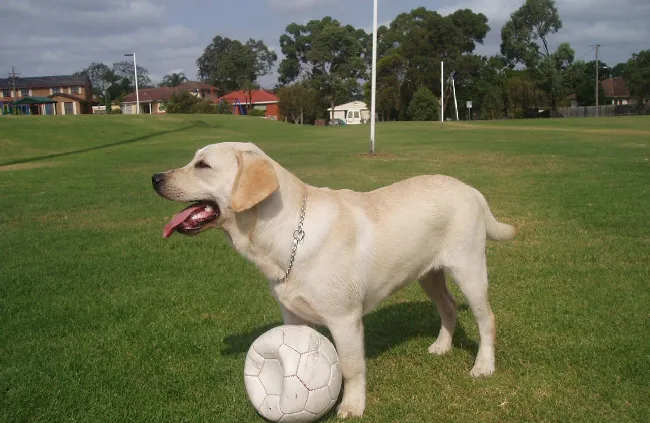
column 49, row 109
column 24, row 92
column 7, row 93
column 75, row 90
column 56, row 90
column 350, row 114
column 68, row 108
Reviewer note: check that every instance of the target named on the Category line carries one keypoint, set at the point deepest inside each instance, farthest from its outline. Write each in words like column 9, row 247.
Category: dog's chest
column 296, row 303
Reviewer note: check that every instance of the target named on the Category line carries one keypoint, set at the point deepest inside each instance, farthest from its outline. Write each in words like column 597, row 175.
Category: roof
column 615, row 87
column 351, row 105
column 258, row 97
column 44, row 81
column 196, row 85
column 151, row 94
column 70, row 96
column 35, row 100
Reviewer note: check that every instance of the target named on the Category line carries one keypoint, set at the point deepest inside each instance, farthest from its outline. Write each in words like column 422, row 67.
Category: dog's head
column 221, row 180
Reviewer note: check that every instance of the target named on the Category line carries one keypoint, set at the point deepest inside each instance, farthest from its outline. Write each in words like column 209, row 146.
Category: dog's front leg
column 348, row 339
column 290, row 318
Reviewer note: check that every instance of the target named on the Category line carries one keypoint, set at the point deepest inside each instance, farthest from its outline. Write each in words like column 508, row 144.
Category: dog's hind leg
column 471, row 277
column 433, row 284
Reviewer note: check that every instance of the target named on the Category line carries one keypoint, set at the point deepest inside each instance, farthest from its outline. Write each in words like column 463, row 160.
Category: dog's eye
column 201, row 165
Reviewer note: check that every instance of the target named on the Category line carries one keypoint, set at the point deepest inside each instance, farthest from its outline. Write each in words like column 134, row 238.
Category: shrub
column 492, row 104
column 423, row 105
column 224, row 108
column 181, row 103
column 203, row 107
column 257, row 112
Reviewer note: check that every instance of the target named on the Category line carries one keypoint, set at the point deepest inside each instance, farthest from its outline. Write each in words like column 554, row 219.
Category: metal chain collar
column 298, row 237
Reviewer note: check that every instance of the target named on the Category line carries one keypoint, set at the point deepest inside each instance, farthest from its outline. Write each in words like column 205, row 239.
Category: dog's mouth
column 192, row 219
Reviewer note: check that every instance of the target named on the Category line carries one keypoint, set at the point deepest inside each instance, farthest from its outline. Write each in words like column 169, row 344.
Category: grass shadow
column 385, row 328
column 100, row 147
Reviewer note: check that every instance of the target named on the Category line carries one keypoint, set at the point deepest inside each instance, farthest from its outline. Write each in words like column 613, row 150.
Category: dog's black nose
column 157, row 178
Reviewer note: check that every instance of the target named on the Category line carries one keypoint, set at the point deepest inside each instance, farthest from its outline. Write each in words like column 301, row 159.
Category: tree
column 417, row 41
column 492, row 104
column 96, row 72
column 173, row 80
column 637, row 75
column 230, row 65
column 581, row 77
column 618, row 70
column 107, row 85
column 331, row 56
column 297, row 101
column 124, row 70
column 524, row 40
column 424, row 105
column 522, row 93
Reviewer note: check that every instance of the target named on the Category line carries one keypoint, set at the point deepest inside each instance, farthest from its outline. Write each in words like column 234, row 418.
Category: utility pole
column 597, row 84
column 15, row 96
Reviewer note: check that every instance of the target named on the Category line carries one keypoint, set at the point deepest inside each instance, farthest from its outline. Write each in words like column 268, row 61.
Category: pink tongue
column 178, row 219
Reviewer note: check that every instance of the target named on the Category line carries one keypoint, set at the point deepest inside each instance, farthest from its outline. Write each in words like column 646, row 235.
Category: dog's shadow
column 385, row 328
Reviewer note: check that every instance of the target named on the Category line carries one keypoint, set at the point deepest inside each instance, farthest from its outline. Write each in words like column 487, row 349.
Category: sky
column 58, row 37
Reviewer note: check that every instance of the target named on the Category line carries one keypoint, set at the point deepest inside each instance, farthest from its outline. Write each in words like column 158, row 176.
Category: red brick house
column 72, row 94
column 261, row 100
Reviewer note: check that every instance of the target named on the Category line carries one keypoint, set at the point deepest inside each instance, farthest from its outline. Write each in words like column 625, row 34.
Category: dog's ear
column 255, row 181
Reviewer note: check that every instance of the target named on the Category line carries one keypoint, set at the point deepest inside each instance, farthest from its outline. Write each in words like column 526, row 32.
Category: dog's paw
column 349, row 410
column 439, row 348
column 352, row 405
column 482, row 369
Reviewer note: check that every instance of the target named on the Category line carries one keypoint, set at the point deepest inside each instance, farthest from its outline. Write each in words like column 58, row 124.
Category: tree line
column 327, row 63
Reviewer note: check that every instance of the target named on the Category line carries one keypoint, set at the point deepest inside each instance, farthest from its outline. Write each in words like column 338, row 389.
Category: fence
column 607, row 110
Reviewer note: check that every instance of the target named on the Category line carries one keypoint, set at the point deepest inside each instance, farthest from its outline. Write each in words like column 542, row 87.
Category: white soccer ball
column 292, row 374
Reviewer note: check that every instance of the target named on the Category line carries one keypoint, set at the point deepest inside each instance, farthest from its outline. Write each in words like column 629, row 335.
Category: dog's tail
column 496, row 230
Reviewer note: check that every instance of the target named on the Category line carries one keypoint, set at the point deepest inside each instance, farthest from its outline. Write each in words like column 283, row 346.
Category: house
column 352, row 113
column 258, row 100
column 71, row 94
column 616, row 91
column 152, row 100
column 200, row 89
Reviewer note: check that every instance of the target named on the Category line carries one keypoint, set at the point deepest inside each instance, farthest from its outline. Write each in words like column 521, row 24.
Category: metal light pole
column 137, row 94
column 373, row 89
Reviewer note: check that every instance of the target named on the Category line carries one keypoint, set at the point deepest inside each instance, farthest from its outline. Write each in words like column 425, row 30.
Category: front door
column 353, row 117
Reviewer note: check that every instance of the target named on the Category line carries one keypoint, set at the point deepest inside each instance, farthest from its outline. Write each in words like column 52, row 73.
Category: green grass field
column 101, row 320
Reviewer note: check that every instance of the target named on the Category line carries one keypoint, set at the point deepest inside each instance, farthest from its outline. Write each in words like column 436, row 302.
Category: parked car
column 337, row 122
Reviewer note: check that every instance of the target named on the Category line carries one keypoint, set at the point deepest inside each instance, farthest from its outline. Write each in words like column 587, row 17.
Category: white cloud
column 621, row 27
column 67, row 35
column 298, row 5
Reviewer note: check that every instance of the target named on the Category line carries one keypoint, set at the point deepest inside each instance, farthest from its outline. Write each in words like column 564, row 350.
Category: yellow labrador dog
column 331, row 256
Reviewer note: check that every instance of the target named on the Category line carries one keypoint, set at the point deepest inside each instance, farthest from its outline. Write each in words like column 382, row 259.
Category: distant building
column 352, row 113
column 152, row 100
column 199, row 89
column 260, row 100
column 616, row 92
column 48, row 95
